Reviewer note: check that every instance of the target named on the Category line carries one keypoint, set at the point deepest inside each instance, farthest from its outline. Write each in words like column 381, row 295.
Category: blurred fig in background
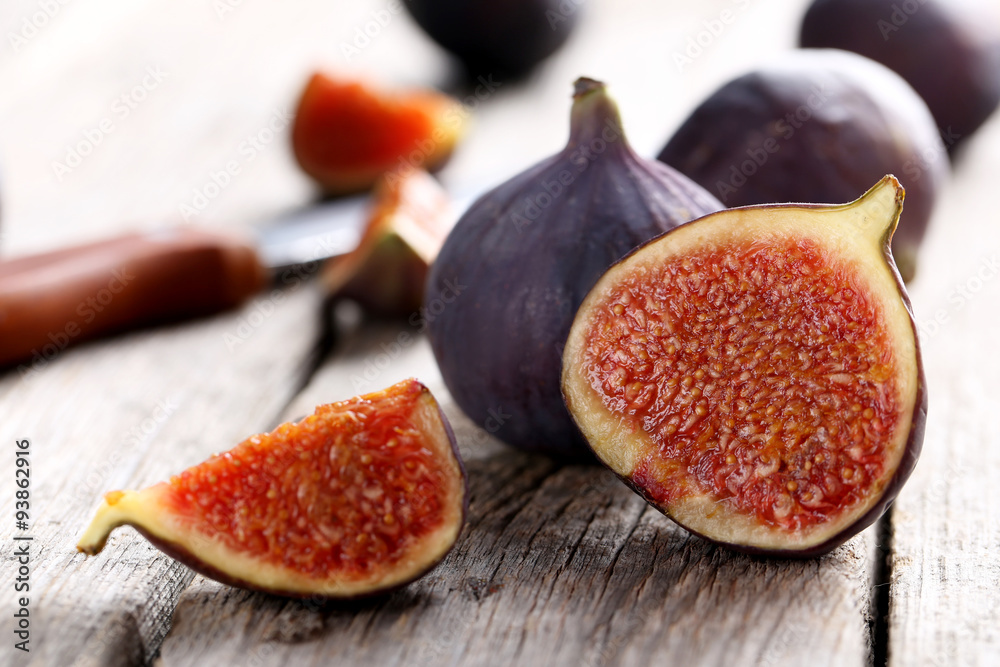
column 951, row 57
column 346, row 134
column 385, row 274
column 817, row 126
column 501, row 37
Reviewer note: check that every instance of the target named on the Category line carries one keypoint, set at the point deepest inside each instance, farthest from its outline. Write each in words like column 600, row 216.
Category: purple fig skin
column 746, row 145
column 908, row 461
column 516, row 267
column 950, row 57
column 500, row 38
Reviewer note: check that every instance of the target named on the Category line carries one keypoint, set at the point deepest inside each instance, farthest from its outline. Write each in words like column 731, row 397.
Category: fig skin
column 500, row 38
column 385, row 274
column 504, row 289
column 817, row 126
column 152, row 512
column 347, row 134
column 583, row 411
column 950, row 56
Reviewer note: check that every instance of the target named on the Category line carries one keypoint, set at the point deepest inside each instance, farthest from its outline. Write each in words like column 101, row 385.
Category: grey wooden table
column 140, row 103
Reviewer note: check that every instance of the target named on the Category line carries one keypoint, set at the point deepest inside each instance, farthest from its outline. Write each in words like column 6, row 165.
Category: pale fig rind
column 152, row 512
column 859, row 233
column 502, row 293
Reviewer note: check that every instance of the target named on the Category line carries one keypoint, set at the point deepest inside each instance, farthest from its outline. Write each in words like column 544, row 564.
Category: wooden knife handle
column 53, row 300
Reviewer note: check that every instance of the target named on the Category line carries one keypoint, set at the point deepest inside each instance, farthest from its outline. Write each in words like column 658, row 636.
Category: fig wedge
column 755, row 374
column 385, row 274
column 361, row 497
column 347, row 134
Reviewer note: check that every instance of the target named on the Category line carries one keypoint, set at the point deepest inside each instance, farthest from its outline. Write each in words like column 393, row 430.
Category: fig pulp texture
column 386, row 273
column 346, row 134
column 816, row 126
column 755, row 374
column 500, row 38
column 362, row 496
column 951, row 57
column 504, row 288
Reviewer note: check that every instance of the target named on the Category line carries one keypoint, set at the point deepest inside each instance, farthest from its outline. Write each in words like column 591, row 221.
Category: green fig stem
column 595, row 121
column 876, row 213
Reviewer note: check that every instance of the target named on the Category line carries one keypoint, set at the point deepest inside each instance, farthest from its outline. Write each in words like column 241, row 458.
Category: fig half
column 755, row 374
column 361, row 497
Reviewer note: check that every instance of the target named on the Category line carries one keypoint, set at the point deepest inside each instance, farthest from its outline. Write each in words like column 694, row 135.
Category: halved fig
column 346, row 134
column 409, row 221
column 361, row 497
column 755, row 374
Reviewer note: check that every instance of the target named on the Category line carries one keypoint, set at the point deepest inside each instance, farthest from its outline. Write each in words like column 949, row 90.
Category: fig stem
column 878, row 210
column 594, row 119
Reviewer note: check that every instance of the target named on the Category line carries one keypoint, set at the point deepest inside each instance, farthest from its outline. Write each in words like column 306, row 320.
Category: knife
column 52, row 300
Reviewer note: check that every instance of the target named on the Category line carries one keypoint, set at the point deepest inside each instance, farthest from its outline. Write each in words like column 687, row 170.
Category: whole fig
column 503, row 38
column 950, row 57
column 504, row 289
column 817, row 126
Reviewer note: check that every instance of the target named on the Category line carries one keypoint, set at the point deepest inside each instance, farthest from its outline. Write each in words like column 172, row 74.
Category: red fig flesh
column 755, row 374
column 360, row 497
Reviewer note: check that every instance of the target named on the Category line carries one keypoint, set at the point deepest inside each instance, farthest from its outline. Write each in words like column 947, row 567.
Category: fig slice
column 347, row 134
column 408, row 224
column 361, row 497
column 755, row 374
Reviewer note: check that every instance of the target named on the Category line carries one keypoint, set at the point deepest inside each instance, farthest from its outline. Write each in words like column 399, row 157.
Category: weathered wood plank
column 558, row 565
column 130, row 412
column 945, row 565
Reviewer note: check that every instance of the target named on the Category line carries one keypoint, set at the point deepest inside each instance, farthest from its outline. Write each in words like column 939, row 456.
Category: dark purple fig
column 816, row 126
column 501, row 38
column 504, row 288
column 755, row 374
column 359, row 498
column 950, row 57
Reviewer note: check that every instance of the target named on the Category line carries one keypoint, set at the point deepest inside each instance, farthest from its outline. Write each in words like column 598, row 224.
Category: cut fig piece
column 755, row 374
column 385, row 274
column 361, row 497
column 346, row 134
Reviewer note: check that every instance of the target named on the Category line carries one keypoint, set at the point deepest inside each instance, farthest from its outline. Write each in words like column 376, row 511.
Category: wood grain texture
column 131, row 412
column 945, row 564
column 558, row 565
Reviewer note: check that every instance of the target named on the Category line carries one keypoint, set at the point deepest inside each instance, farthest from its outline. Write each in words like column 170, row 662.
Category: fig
column 950, row 56
column 503, row 38
column 346, row 134
column 361, row 497
column 818, row 126
column 755, row 374
column 408, row 223
column 503, row 291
